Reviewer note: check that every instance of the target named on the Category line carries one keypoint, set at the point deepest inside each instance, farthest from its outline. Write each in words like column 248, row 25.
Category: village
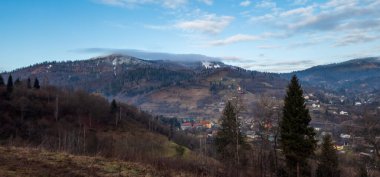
column 331, row 114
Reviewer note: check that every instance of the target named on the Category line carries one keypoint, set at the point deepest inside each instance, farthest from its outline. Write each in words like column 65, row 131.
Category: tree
column 10, row 84
column 36, row 84
column 328, row 160
column 268, row 114
column 18, row 82
column 1, row 81
column 114, row 110
column 370, row 130
column 296, row 137
column 29, row 84
column 229, row 135
column 113, row 107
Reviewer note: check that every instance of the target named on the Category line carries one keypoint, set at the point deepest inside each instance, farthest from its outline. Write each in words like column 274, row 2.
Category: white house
column 343, row 113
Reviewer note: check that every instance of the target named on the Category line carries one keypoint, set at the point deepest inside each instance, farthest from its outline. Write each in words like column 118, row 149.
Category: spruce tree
column 1, row 81
column 113, row 109
column 328, row 160
column 36, row 84
column 229, row 136
column 18, row 82
column 10, row 84
column 29, row 84
column 296, row 137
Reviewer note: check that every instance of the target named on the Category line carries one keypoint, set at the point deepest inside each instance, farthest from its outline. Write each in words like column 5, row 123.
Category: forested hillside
column 157, row 86
column 87, row 124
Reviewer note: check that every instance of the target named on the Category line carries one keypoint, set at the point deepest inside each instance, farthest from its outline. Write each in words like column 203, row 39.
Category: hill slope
column 358, row 75
column 81, row 123
column 176, row 85
column 35, row 162
column 163, row 87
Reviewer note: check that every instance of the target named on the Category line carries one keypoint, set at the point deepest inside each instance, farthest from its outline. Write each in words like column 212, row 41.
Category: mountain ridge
column 159, row 86
column 184, row 89
column 353, row 75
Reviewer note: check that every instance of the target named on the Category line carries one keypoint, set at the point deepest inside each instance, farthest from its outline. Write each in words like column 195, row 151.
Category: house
column 358, row 103
column 315, row 105
column 190, row 125
column 251, row 135
column 339, row 147
column 206, row 124
column 186, row 125
column 188, row 120
column 332, row 110
column 197, row 125
column 345, row 136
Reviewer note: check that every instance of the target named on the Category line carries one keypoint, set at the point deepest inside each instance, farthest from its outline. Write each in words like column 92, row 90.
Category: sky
column 264, row 35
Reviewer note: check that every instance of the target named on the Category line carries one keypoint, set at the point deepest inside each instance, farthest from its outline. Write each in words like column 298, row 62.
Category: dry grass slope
column 15, row 162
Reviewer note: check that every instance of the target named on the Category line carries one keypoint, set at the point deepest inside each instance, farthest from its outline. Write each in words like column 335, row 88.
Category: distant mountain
column 179, row 85
column 358, row 75
column 175, row 87
column 164, row 56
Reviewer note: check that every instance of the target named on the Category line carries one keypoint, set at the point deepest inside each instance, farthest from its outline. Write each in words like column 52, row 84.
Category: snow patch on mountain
column 120, row 61
column 210, row 65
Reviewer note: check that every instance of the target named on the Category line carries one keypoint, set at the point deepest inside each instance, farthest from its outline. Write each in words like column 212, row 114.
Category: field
column 16, row 162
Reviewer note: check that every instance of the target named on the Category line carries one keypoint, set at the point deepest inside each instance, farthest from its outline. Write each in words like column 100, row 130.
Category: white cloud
column 234, row 39
column 263, row 18
column 298, row 11
column 300, row 2
column 339, row 3
column 231, row 58
column 245, row 3
column 268, row 47
column 267, row 4
column 356, row 38
column 208, row 2
column 208, row 24
column 172, row 4
column 158, row 27
column 335, row 18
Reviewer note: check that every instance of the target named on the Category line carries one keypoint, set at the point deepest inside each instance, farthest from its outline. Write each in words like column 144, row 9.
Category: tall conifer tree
column 1, row 81
column 229, row 136
column 10, row 84
column 113, row 108
column 18, row 82
column 328, row 160
column 296, row 137
column 29, row 84
column 36, row 84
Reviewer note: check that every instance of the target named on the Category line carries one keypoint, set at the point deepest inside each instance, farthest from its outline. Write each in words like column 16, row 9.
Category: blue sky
column 264, row 35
